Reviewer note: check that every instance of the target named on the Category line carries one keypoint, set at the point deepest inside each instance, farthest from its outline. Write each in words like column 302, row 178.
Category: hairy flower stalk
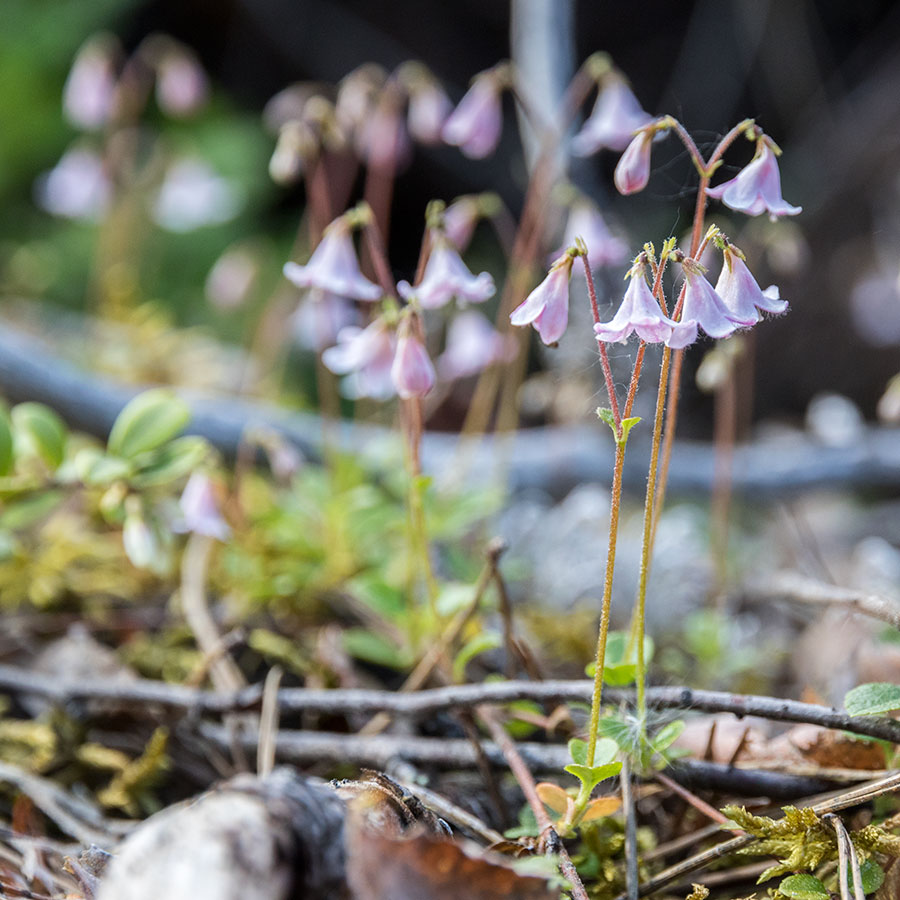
column 615, row 504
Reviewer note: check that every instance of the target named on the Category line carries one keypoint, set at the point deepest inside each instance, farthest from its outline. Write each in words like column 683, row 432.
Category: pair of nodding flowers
column 388, row 356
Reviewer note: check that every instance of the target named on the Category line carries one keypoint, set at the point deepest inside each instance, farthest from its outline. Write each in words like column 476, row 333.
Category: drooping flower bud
column 633, row 169
column 182, row 87
column 412, row 371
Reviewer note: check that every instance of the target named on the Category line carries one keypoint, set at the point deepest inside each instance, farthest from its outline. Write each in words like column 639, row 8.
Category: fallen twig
column 797, row 587
column 429, row 702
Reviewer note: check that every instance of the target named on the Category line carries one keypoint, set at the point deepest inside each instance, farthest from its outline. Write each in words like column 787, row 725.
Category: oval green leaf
column 803, row 887
column 41, row 431
column 148, row 421
column 873, row 699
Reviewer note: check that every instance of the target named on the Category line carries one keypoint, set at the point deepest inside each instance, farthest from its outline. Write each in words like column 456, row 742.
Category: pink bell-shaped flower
column 460, row 219
column 333, row 266
column 703, row 308
column 447, row 276
column 615, row 118
column 739, row 291
column 429, row 108
column 320, row 318
column 200, row 508
column 586, row 222
column 89, row 93
column 472, row 345
column 365, row 355
column 411, row 371
column 633, row 169
column 476, row 123
column 546, row 308
column 639, row 313
column 757, row 187
column 182, row 88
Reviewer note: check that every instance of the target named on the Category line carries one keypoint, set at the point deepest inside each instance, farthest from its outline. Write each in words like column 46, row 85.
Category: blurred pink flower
column 382, row 140
column 757, row 187
column 319, row 319
column 366, row 356
column 76, row 187
column 231, row 278
column 460, row 219
column 472, row 345
column 704, row 308
column 429, row 108
column 200, row 508
column 633, row 169
column 90, row 90
column 447, row 276
column 477, row 122
column 546, row 308
column 586, row 222
column 193, row 196
column 411, row 371
column 639, row 313
column 615, row 118
column 740, row 292
column 181, row 84
column 333, row 266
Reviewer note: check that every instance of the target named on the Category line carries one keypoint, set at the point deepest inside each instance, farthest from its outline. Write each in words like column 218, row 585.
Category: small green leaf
column 371, row 647
column 873, row 699
column 871, row 875
column 667, row 735
column 803, row 887
column 148, row 421
column 591, row 776
column 479, row 644
column 42, row 432
column 97, row 468
column 170, row 462
column 578, row 751
column 627, row 425
column 6, row 444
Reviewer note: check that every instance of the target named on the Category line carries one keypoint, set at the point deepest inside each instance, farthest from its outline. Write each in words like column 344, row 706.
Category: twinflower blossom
column 460, row 219
column 447, row 276
column 704, row 308
column 740, row 292
column 77, row 187
column 615, row 118
column 586, row 222
column 200, row 508
column 365, row 355
column 411, row 371
column 472, row 345
column 333, row 266
column 90, row 90
column 320, row 318
column 639, row 313
column 633, row 169
column 757, row 187
column 547, row 306
column 476, row 123
column 428, row 110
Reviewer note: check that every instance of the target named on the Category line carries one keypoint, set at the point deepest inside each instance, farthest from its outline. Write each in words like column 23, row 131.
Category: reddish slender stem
column 604, row 356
